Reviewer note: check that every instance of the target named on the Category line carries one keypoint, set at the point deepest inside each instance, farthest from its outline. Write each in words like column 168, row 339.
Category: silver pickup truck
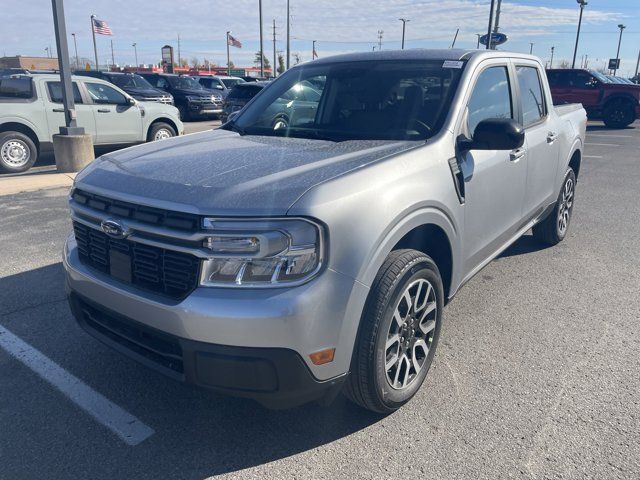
column 309, row 249
column 31, row 113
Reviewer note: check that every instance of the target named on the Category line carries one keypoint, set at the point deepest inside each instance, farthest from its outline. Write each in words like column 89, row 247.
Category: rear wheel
column 553, row 229
column 398, row 334
column 18, row 152
column 619, row 113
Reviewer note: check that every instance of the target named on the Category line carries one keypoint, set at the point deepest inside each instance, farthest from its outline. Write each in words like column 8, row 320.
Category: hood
column 192, row 92
column 222, row 173
column 145, row 92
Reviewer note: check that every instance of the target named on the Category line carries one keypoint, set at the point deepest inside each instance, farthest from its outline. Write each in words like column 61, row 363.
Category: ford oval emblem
column 114, row 229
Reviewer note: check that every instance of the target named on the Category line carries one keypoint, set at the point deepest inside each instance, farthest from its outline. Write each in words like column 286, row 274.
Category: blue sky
column 338, row 26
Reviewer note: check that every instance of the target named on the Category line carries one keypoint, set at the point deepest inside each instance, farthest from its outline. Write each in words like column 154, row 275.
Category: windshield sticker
column 452, row 64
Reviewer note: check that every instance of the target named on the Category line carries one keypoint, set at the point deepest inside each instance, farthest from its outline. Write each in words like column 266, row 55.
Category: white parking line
column 603, row 144
column 593, row 156
column 130, row 430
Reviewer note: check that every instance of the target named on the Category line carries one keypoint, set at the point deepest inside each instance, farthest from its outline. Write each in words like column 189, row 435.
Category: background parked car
column 220, row 83
column 31, row 112
column 190, row 98
column 239, row 96
column 133, row 84
column 617, row 104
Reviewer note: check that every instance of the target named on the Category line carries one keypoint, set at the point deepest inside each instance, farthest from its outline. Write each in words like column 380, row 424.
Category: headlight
column 262, row 253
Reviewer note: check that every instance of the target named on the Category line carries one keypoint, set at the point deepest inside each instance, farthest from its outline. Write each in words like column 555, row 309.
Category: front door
column 117, row 121
column 495, row 180
column 55, row 111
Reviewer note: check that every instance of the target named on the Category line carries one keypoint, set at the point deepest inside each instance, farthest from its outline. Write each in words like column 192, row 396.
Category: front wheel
column 160, row 131
column 18, row 153
column 398, row 334
column 619, row 114
column 553, row 229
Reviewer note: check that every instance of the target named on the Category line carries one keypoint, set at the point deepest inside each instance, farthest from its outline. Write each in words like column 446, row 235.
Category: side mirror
column 593, row 83
column 130, row 101
column 494, row 134
column 232, row 115
column 219, row 87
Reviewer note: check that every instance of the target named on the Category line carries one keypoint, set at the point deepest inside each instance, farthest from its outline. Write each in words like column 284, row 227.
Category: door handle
column 516, row 155
column 551, row 137
column 103, row 110
column 58, row 110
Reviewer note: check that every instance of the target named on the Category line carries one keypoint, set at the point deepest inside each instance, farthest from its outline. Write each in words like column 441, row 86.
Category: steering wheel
column 422, row 127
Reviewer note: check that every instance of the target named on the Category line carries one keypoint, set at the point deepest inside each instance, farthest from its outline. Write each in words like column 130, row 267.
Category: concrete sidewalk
column 29, row 182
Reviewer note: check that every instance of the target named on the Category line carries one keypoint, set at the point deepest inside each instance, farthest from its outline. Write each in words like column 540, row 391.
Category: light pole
column 553, row 49
column 582, row 4
column 288, row 36
column 380, row 32
column 135, row 49
column 75, row 47
column 531, row 48
column 46, row 49
column 404, row 25
column 261, row 43
column 621, row 27
column 493, row 3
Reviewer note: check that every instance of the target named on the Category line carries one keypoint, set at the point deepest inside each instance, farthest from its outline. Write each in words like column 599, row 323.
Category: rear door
column 55, row 110
column 116, row 120
column 541, row 138
column 495, row 180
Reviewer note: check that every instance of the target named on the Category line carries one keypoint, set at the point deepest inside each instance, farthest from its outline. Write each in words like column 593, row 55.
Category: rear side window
column 16, row 87
column 55, row 92
column 491, row 97
column 243, row 93
column 533, row 106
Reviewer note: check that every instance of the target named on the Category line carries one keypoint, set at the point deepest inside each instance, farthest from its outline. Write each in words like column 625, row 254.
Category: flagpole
column 228, row 60
column 95, row 49
column 113, row 61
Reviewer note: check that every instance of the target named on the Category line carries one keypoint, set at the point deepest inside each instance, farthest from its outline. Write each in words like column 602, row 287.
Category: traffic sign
column 496, row 39
column 614, row 63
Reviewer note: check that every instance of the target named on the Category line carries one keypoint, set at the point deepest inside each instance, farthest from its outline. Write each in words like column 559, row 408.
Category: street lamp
column 531, row 48
column 135, row 49
column 553, row 49
column 75, row 46
column 621, row 27
column 46, row 49
column 404, row 24
column 582, row 4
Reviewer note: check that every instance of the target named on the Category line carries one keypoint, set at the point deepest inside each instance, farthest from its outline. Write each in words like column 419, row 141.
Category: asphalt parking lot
column 537, row 374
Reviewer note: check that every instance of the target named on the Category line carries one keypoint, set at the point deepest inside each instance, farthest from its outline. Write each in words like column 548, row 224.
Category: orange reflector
column 323, row 356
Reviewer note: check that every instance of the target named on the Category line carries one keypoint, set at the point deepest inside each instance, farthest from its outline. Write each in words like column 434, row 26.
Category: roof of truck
column 420, row 54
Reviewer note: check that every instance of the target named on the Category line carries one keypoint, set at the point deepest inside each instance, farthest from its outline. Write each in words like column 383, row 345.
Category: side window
column 100, row 93
column 162, row 83
column 491, row 97
column 582, row 80
column 533, row 106
column 55, row 92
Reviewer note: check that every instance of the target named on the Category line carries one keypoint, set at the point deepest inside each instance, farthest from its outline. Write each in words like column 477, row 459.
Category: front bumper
column 246, row 342
column 204, row 109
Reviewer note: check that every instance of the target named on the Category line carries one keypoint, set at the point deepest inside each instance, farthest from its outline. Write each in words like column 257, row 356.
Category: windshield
column 185, row 83
column 130, row 81
column 230, row 82
column 373, row 100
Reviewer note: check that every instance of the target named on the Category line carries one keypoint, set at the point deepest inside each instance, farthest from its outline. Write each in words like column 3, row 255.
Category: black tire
column 549, row 230
column 368, row 385
column 158, row 127
column 183, row 113
column 619, row 113
column 11, row 143
column 281, row 120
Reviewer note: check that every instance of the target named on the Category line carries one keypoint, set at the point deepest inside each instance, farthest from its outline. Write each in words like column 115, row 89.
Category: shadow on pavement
column 525, row 244
column 604, row 128
column 197, row 433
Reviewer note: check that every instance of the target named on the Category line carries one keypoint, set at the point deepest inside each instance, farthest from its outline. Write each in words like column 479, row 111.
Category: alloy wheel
column 162, row 134
column 566, row 206
column 410, row 334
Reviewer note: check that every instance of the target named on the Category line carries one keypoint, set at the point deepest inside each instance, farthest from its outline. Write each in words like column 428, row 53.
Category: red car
column 617, row 104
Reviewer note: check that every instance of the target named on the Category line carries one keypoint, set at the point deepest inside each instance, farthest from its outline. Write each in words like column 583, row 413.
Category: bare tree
column 297, row 58
column 195, row 62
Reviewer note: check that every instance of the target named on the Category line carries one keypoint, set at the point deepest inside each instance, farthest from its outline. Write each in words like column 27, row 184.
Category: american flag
column 101, row 27
column 234, row 42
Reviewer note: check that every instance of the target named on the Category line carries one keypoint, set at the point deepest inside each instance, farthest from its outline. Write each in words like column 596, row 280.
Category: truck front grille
column 169, row 273
column 153, row 216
